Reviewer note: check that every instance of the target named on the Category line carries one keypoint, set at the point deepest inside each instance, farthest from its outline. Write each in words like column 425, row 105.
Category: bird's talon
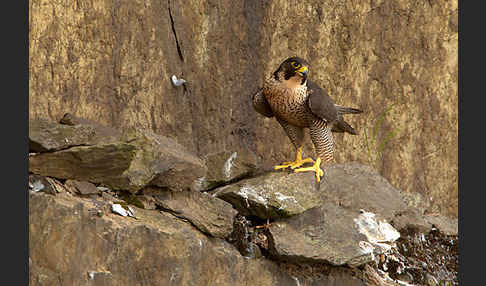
column 315, row 168
column 283, row 166
column 299, row 163
column 295, row 164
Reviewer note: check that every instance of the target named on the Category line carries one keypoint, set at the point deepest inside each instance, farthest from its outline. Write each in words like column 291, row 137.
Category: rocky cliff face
column 112, row 61
column 130, row 207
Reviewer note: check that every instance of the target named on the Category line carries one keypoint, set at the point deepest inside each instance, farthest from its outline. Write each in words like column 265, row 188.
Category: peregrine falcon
column 298, row 103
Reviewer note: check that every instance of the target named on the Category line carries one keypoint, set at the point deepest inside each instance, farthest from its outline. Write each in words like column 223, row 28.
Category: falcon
column 298, row 103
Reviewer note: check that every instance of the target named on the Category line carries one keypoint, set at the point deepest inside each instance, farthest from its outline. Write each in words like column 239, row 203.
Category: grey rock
column 326, row 234
column 330, row 233
column 355, row 186
column 446, row 225
column 412, row 219
column 44, row 184
column 167, row 163
column 100, row 278
column 227, row 166
column 272, row 195
column 83, row 187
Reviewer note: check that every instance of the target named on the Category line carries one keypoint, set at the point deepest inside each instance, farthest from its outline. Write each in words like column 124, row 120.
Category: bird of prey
column 298, row 103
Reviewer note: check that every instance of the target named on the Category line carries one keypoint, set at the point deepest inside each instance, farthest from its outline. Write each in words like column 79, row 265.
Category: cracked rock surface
column 131, row 161
column 272, row 195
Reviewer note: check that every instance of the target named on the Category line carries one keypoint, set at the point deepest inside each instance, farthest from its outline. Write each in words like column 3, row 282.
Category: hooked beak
column 303, row 71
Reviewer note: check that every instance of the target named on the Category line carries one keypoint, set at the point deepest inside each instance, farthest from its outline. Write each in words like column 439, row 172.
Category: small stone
column 37, row 186
column 42, row 184
column 103, row 189
column 83, row 187
column 108, row 197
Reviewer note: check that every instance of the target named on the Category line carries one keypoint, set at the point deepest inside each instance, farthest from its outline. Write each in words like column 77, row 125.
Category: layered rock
column 182, row 235
column 227, row 166
column 129, row 161
column 346, row 220
column 272, row 195
column 329, row 233
column 325, row 234
column 210, row 215
column 72, row 245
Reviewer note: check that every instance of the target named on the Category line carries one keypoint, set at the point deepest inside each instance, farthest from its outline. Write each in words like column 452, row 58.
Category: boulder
column 272, row 195
column 104, row 163
column 136, row 159
column 210, row 215
column 326, row 234
column 162, row 162
column 355, row 186
column 333, row 232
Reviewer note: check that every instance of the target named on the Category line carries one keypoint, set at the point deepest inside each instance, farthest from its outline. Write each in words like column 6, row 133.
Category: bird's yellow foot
column 315, row 168
column 297, row 163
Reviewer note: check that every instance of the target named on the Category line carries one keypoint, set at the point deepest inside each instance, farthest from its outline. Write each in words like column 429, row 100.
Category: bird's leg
column 298, row 161
column 315, row 168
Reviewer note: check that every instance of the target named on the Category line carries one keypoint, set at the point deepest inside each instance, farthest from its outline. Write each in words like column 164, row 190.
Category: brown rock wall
column 111, row 61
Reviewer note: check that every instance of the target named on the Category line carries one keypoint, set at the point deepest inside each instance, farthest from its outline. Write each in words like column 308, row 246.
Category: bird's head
column 293, row 71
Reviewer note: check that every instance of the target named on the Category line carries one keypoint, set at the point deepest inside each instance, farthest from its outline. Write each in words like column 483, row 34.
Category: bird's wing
column 261, row 105
column 320, row 103
column 348, row 110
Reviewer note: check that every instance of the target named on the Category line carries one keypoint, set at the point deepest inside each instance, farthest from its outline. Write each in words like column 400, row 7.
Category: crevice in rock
column 178, row 216
column 249, row 240
column 34, row 147
column 226, row 183
column 249, row 175
column 179, row 50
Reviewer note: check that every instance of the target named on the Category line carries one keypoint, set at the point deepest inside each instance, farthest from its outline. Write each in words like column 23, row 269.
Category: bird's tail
column 348, row 110
column 343, row 126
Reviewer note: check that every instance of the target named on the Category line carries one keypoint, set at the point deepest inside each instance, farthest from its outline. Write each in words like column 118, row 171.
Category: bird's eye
column 295, row 64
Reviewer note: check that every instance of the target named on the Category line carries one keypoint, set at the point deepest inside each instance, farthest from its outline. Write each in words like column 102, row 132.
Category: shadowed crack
column 179, row 51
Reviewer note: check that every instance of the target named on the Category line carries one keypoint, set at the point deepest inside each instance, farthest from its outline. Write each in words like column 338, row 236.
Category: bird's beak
column 303, row 71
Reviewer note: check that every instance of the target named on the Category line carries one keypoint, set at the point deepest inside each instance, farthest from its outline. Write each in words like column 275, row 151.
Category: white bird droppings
column 228, row 165
column 378, row 233
column 248, row 192
column 176, row 81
